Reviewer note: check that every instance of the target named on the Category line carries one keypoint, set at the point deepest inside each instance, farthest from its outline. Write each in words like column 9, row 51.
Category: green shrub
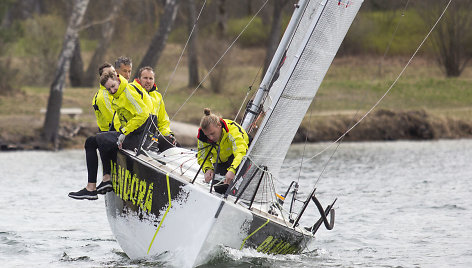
column 40, row 46
column 8, row 35
column 256, row 33
column 372, row 33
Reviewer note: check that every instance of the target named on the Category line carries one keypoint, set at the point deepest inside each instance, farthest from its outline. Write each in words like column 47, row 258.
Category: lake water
column 400, row 204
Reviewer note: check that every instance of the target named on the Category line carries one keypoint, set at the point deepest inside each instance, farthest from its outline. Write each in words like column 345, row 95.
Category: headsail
column 321, row 29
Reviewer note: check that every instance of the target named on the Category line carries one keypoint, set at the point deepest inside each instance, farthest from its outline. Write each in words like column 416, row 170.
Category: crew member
column 132, row 114
column 102, row 100
column 123, row 66
column 232, row 141
column 145, row 82
column 102, row 106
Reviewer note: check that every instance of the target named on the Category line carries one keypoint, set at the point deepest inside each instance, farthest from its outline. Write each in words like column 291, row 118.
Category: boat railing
column 148, row 134
column 329, row 224
column 329, row 210
column 201, row 166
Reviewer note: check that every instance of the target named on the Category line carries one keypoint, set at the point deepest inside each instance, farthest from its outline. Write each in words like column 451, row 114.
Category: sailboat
column 161, row 204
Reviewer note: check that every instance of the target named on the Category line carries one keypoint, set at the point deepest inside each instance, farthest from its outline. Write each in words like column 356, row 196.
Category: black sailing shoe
column 104, row 187
column 84, row 194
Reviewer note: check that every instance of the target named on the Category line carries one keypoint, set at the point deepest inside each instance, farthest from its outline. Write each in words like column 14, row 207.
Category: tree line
column 85, row 32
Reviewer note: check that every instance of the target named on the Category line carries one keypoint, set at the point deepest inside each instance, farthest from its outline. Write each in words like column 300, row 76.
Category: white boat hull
column 192, row 224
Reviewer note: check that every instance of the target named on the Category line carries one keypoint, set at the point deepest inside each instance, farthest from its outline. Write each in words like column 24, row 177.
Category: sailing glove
column 120, row 140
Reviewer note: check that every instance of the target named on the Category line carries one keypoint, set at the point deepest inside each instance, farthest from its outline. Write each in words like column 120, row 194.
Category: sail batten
column 322, row 28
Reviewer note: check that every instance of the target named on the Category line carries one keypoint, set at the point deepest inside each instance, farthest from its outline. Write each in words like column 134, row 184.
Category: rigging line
column 386, row 92
column 183, row 50
column 304, row 147
column 217, row 62
column 190, row 166
column 340, row 140
column 177, row 159
column 160, row 134
column 242, row 103
column 393, row 36
column 266, row 94
column 191, row 153
column 365, row 94
column 247, row 94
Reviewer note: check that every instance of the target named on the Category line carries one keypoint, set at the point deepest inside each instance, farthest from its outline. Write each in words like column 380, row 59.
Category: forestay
column 314, row 44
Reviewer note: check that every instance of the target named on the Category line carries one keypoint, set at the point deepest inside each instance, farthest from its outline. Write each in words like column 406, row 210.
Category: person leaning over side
column 123, row 66
column 144, row 97
column 102, row 105
column 145, row 82
column 132, row 114
column 233, row 141
column 102, row 101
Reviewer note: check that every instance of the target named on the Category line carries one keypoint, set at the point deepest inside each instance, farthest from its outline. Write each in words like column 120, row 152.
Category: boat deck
column 183, row 164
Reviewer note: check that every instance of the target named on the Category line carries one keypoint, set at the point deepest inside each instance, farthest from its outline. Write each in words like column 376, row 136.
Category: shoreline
column 381, row 125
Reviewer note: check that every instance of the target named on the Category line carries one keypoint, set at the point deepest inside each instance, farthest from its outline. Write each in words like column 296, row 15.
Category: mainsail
column 318, row 35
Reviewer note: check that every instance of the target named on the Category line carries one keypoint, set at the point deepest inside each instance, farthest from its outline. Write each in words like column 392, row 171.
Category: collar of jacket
column 138, row 85
column 121, row 87
column 154, row 87
column 201, row 136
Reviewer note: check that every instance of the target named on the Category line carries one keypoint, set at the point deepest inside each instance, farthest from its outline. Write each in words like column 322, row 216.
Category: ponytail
column 209, row 118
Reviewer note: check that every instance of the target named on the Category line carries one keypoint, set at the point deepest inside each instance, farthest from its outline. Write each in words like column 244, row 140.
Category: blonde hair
column 209, row 118
column 105, row 76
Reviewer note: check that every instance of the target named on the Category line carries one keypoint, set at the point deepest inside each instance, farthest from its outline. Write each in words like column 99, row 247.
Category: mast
column 254, row 108
column 307, row 56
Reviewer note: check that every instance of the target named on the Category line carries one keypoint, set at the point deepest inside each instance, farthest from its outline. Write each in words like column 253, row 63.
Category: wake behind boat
column 161, row 204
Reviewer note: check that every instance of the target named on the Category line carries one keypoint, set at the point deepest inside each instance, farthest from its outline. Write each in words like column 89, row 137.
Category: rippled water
column 400, row 204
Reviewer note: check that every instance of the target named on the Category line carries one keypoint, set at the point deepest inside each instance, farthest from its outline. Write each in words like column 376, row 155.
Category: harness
column 139, row 91
column 95, row 106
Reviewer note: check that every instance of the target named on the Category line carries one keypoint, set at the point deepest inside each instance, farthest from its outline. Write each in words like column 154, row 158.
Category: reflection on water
column 400, row 204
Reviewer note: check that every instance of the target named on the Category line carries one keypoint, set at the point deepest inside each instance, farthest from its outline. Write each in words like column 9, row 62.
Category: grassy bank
column 351, row 87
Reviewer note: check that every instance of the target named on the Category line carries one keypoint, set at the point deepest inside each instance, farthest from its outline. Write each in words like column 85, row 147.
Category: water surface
column 400, row 204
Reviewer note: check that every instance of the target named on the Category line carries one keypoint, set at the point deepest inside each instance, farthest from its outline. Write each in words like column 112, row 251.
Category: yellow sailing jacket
column 131, row 111
column 157, row 108
column 102, row 105
column 142, row 92
column 233, row 141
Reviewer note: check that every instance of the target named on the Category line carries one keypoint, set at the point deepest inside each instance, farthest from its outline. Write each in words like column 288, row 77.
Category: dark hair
column 122, row 60
column 103, row 66
column 148, row 68
column 105, row 76
column 209, row 118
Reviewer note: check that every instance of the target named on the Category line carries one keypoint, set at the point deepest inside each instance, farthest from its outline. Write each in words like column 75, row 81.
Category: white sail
column 320, row 32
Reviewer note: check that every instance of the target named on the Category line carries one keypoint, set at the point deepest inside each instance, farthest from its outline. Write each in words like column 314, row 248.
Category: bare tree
column 51, row 123
column 76, row 71
column 107, row 28
column 159, row 39
column 76, row 74
column 249, row 7
column 219, row 67
column 221, row 18
column 275, row 31
column 453, row 35
column 193, row 79
column 20, row 10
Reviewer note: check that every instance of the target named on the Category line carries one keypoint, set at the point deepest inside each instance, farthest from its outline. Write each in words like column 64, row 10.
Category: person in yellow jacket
column 142, row 95
column 123, row 66
column 132, row 113
column 102, row 105
column 145, row 82
column 131, row 110
column 232, row 141
column 102, row 102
